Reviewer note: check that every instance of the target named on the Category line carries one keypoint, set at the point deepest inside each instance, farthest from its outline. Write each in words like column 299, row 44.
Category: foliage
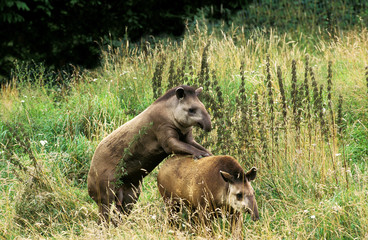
column 325, row 14
column 60, row 33
column 294, row 107
column 9, row 10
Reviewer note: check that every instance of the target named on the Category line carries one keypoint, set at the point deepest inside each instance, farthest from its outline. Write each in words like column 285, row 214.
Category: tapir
column 207, row 184
column 129, row 153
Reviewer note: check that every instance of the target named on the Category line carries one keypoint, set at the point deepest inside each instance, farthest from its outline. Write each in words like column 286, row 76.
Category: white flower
column 306, row 211
column 337, row 208
column 38, row 224
column 153, row 217
column 43, row 142
column 123, row 73
column 338, row 154
column 22, row 101
column 313, row 217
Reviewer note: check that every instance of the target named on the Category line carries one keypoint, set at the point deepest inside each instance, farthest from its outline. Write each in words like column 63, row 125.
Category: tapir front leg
column 171, row 143
column 174, row 145
column 127, row 196
column 191, row 141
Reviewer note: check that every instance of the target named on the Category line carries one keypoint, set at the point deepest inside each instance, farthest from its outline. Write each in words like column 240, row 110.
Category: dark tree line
column 61, row 32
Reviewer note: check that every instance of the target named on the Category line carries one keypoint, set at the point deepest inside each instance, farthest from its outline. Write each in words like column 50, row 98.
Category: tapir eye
column 239, row 196
column 192, row 110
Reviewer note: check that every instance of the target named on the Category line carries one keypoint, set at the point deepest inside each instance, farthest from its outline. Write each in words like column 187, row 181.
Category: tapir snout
column 241, row 195
column 205, row 123
column 214, row 182
column 254, row 211
column 164, row 128
column 189, row 110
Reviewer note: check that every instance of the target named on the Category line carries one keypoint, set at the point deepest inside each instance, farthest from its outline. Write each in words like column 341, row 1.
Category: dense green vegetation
column 292, row 103
column 59, row 33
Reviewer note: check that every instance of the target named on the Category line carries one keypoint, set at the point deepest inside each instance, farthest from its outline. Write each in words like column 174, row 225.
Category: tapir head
column 189, row 110
column 240, row 193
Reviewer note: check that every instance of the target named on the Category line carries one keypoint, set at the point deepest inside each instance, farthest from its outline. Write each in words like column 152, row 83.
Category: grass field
column 295, row 106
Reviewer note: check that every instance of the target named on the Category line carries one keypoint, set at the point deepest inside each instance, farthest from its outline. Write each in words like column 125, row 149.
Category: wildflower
column 338, row 154
column 153, row 217
column 38, row 224
column 43, row 142
column 22, row 101
column 313, row 217
column 336, row 208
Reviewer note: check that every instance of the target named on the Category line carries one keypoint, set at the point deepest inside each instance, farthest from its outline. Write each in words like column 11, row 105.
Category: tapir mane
column 230, row 165
column 187, row 89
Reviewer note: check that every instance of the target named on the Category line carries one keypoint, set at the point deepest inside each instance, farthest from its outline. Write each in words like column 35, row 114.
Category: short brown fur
column 200, row 184
column 133, row 150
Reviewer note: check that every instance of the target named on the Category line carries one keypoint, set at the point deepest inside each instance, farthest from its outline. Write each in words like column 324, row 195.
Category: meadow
column 291, row 104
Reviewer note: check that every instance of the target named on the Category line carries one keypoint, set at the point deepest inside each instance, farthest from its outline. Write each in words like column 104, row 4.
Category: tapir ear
column 227, row 176
column 180, row 93
column 198, row 90
column 251, row 174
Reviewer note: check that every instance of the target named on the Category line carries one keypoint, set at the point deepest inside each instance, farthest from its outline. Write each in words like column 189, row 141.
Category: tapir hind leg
column 127, row 195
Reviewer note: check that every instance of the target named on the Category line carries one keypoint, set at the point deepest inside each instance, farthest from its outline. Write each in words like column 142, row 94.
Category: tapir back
column 208, row 183
column 129, row 153
column 185, row 178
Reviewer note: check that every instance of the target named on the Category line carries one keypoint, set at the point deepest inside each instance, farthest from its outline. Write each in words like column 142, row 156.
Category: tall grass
column 299, row 116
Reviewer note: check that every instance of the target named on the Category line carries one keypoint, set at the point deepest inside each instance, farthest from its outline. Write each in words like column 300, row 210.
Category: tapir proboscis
column 128, row 154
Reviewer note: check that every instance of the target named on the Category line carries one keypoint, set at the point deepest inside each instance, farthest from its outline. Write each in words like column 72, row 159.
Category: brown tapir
column 207, row 184
column 133, row 150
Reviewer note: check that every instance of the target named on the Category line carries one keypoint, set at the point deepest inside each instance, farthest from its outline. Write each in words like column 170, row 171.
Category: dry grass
column 312, row 182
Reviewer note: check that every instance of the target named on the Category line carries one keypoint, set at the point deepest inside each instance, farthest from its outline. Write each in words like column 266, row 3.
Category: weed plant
column 269, row 109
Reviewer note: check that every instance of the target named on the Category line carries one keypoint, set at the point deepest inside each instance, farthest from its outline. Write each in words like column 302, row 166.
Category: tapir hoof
column 196, row 157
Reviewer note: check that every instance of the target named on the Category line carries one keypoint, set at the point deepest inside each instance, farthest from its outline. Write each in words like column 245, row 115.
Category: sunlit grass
column 311, row 184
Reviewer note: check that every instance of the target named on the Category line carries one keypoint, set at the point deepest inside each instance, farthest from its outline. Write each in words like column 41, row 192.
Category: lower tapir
column 207, row 184
column 133, row 150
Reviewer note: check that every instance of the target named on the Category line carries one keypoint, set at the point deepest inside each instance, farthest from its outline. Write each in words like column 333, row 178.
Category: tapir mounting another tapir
column 134, row 149
column 207, row 184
